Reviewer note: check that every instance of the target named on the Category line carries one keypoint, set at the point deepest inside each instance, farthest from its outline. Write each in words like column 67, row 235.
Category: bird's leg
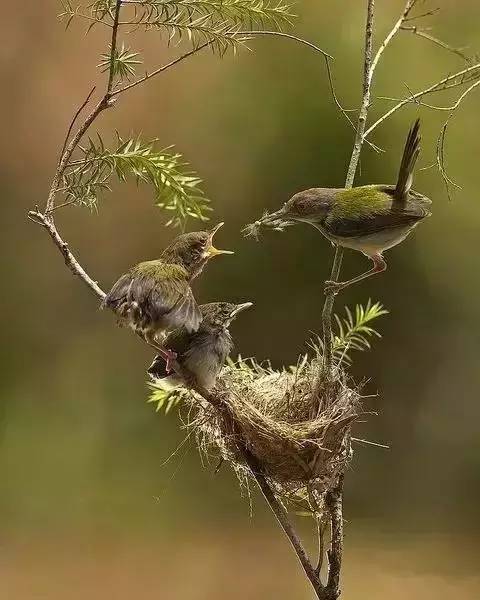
column 379, row 265
column 168, row 356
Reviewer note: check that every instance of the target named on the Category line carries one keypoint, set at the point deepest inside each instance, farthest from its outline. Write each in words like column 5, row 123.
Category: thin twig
column 113, row 46
column 448, row 82
column 148, row 76
column 424, row 34
column 197, row 49
column 440, row 156
column 70, row 260
column 287, row 36
column 408, row 7
column 75, row 117
column 105, row 102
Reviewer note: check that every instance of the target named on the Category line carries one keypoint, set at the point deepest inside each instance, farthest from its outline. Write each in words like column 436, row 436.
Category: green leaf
column 165, row 400
column 353, row 330
column 124, row 62
column 176, row 188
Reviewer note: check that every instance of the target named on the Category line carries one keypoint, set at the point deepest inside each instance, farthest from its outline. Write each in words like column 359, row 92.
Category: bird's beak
column 239, row 308
column 211, row 251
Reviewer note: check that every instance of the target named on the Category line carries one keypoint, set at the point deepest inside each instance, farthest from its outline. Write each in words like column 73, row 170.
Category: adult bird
column 155, row 297
column 368, row 218
column 200, row 353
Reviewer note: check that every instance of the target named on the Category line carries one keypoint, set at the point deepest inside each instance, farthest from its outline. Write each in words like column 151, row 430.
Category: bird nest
column 296, row 423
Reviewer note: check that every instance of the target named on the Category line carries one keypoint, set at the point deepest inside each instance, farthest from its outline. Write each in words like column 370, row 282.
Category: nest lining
column 297, row 428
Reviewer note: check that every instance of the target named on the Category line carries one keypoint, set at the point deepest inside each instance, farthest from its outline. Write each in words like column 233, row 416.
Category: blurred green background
column 88, row 507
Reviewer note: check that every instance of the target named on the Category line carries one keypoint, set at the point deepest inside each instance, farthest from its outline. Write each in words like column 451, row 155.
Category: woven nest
column 298, row 428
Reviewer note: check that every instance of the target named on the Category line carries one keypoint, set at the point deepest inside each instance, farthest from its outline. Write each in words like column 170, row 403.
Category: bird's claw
column 332, row 288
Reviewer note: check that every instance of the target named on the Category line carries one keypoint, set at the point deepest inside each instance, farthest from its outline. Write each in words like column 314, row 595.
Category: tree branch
column 424, row 34
column 334, row 503
column 70, row 260
column 352, row 167
column 175, row 61
column 450, row 81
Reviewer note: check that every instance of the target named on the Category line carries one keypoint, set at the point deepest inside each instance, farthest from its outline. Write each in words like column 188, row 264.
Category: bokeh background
column 89, row 507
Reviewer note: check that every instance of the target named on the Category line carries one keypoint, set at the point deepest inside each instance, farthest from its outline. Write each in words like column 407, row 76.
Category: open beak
column 239, row 308
column 211, row 251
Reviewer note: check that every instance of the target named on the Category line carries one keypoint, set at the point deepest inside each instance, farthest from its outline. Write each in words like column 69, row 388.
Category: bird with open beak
column 155, row 297
column 201, row 353
column 369, row 218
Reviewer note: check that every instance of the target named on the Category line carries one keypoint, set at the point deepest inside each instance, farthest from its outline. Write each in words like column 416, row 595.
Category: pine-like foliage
column 165, row 400
column 124, row 62
column 176, row 187
column 353, row 331
column 220, row 23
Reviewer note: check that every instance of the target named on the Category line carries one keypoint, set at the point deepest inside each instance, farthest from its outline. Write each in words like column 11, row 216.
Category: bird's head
column 193, row 250
column 310, row 206
column 219, row 315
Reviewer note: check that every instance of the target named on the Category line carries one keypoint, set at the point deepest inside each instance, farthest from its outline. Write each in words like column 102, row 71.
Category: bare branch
column 352, row 167
column 77, row 114
column 287, row 36
column 440, row 157
column 285, row 524
column 334, row 503
column 450, row 81
column 424, row 34
column 113, row 46
column 206, row 44
column 408, row 7
column 70, row 260
column 148, row 76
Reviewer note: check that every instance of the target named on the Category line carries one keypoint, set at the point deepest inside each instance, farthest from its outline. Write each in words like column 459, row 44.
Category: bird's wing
column 117, row 296
column 409, row 158
column 155, row 291
column 162, row 291
column 384, row 215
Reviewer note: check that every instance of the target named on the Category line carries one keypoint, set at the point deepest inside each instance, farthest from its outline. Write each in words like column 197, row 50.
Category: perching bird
column 202, row 353
column 155, row 297
column 369, row 218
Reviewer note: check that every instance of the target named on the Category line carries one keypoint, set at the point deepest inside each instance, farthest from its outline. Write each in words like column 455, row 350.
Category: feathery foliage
column 216, row 22
column 176, row 188
column 124, row 62
column 353, row 330
column 165, row 400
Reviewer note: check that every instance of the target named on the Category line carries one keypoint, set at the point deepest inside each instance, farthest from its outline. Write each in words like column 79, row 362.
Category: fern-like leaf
column 353, row 331
column 165, row 400
column 177, row 189
column 124, row 62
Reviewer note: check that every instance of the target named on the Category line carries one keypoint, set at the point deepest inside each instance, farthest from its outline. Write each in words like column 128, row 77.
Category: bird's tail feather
column 409, row 158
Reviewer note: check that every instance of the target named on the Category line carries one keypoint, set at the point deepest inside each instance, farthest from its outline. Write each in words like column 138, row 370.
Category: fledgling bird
column 155, row 297
column 203, row 352
column 368, row 218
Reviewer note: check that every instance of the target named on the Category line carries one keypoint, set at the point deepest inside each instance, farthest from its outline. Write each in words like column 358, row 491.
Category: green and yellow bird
column 201, row 353
column 155, row 297
column 368, row 218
